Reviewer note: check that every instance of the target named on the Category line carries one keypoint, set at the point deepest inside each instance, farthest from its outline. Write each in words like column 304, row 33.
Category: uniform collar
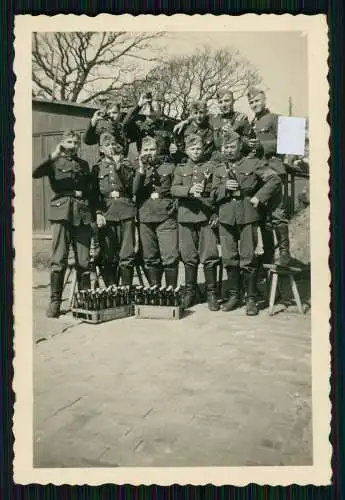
column 264, row 112
column 228, row 115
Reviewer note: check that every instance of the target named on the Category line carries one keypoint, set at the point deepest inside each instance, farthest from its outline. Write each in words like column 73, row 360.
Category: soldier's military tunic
column 238, row 218
column 197, row 240
column 265, row 126
column 157, row 215
column 205, row 131
column 136, row 128
column 236, row 121
column 72, row 209
column 115, row 202
column 115, row 128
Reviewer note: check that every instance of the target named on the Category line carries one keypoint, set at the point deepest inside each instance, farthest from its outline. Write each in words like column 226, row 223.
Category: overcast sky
column 280, row 57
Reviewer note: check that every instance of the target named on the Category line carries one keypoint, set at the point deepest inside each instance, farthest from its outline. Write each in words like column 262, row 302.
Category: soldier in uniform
column 265, row 125
column 108, row 120
column 197, row 239
column 198, row 123
column 157, row 214
column 228, row 119
column 71, row 212
column 116, row 210
column 240, row 185
column 153, row 125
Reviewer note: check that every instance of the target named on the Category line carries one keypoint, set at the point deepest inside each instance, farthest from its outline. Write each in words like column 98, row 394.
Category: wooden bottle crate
column 103, row 315
column 158, row 312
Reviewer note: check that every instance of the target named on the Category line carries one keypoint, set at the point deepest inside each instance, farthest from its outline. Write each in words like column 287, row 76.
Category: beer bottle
column 162, row 300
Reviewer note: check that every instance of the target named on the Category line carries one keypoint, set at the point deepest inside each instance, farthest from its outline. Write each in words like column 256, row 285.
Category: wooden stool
column 274, row 271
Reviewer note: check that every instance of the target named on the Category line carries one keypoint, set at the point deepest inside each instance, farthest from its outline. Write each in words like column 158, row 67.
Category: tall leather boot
column 282, row 233
column 56, row 287
column 191, row 275
column 84, row 282
column 108, row 276
column 268, row 244
column 250, row 284
column 126, row 274
column 171, row 274
column 211, row 287
column 234, row 292
column 154, row 275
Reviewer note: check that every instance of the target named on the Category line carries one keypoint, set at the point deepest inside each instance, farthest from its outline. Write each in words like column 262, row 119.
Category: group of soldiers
column 214, row 179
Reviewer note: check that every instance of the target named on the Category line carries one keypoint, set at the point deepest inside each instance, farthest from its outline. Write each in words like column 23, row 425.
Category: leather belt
column 75, row 193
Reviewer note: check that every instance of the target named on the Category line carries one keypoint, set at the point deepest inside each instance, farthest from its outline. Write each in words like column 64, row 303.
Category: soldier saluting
column 240, row 185
column 136, row 128
column 198, row 123
column 72, row 209
column 107, row 119
column 264, row 144
column 197, row 240
column 113, row 178
column 157, row 214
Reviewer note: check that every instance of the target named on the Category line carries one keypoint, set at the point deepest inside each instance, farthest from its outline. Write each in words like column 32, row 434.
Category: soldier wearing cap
column 198, row 123
column 153, row 125
column 265, row 127
column 240, row 185
column 157, row 214
column 113, row 178
column 107, row 119
column 228, row 119
column 72, row 209
column 197, row 239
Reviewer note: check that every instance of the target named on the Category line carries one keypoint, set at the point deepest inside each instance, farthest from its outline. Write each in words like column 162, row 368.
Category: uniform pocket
column 59, row 202
column 63, row 173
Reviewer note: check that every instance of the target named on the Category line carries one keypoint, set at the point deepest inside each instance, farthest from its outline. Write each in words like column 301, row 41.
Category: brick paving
column 213, row 389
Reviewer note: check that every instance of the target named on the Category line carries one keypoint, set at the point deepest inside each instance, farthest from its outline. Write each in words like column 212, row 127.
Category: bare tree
column 84, row 66
column 181, row 79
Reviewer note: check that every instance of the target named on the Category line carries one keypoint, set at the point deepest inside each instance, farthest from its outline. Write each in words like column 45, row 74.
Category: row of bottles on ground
column 116, row 296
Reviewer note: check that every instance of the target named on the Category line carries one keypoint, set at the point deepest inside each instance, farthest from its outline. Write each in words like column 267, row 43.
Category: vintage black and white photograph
column 169, row 177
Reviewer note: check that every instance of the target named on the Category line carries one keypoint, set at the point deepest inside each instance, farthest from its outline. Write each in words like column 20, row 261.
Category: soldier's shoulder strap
column 241, row 116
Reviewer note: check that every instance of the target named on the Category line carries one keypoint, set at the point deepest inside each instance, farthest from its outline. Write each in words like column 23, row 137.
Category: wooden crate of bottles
column 98, row 306
column 158, row 303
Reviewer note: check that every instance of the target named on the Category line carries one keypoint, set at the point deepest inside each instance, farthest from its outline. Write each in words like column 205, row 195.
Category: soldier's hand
column 213, row 222
column 143, row 100
column 231, row 185
column 172, row 148
column 180, row 126
column 58, row 151
column 253, row 143
column 196, row 190
column 98, row 115
column 100, row 220
column 254, row 201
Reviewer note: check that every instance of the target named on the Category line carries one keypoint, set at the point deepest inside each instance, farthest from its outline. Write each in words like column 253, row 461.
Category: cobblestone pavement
column 213, row 389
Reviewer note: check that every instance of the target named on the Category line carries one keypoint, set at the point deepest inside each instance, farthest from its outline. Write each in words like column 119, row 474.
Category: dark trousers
column 198, row 243
column 159, row 243
column 276, row 209
column 117, row 241
column 64, row 235
column 238, row 245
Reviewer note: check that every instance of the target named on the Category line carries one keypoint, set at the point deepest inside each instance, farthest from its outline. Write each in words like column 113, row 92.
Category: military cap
column 198, row 106
column 222, row 92
column 229, row 137
column 192, row 140
column 254, row 91
column 105, row 138
column 113, row 103
column 70, row 133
